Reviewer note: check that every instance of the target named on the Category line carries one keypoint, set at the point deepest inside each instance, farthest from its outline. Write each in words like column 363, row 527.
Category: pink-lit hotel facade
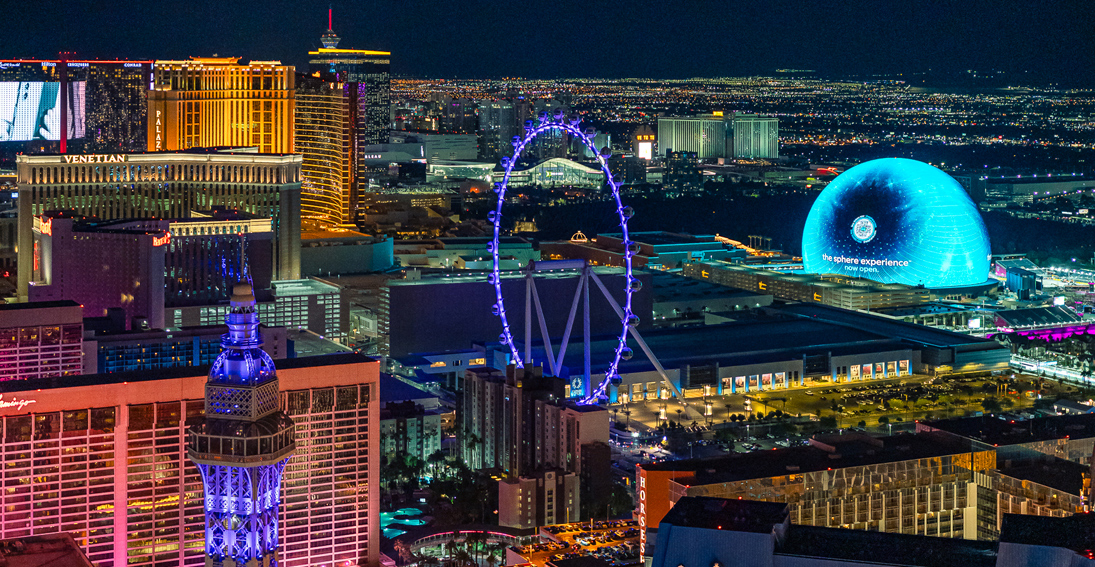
column 104, row 457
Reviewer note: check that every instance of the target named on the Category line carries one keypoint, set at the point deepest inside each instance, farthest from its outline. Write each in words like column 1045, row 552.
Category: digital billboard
column 897, row 220
column 31, row 110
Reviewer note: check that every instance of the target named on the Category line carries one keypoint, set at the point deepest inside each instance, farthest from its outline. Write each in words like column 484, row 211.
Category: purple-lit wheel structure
column 622, row 352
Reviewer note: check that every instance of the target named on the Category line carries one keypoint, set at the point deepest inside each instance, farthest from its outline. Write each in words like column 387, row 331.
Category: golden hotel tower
column 218, row 102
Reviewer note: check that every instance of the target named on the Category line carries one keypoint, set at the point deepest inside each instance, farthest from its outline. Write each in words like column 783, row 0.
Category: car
column 809, row 393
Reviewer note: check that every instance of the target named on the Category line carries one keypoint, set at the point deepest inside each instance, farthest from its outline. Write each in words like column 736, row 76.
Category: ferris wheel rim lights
column 629, row 319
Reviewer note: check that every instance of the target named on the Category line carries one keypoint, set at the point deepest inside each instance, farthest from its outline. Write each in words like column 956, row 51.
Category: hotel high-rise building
column 105, row 105
column 703, row 135
column 328, row 196
column 104, row 457
column 145, row 266
column 241, row 445
column 216, row 102
column 161, row 185
column 365, row 77
column 756, row 136
column 497, row 127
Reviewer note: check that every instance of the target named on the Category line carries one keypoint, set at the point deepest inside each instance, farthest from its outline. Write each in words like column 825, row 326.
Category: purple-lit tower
column 242, row 445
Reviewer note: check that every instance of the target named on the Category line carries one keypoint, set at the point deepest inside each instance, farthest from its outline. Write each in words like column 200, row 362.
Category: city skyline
column 943, row 40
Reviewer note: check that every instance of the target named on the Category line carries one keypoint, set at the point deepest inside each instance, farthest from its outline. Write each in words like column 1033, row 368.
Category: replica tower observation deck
column 242, row 444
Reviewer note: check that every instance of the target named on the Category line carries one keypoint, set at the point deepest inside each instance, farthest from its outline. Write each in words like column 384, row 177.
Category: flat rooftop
column 735, row 343
column 663, row 238
column 994, row 430
column 1039, row 316
column 927, row 336
column 393, row 389
column 38, row 305
column 1073, row 532
column 858, row 450
column 674, row 287
column 927, row 309
column 167, row 373
column 1058, row 474
column 725, row 514
column 854, row 546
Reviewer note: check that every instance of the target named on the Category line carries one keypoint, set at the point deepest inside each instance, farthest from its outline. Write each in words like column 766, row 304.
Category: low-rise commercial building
column 297, row 304
column 657, row 250
column 129, row 351
column 836, row 290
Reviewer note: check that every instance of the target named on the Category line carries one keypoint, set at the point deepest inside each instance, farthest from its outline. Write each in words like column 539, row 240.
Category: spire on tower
column 329, row 39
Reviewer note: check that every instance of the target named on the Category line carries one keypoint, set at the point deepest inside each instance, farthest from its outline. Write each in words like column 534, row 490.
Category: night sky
column 1052, row 41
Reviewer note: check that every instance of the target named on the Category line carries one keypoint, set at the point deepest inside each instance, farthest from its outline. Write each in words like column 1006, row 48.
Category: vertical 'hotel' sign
column 159, row 137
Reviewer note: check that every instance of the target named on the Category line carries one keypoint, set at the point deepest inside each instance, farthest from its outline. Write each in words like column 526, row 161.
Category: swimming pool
column 399, row 517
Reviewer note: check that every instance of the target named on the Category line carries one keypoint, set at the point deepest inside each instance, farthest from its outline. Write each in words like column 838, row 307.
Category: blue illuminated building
column 242, row 445
column 897, row 221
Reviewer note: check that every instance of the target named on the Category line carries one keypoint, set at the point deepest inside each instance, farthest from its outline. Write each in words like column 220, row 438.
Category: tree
column 450, row 549
column 404, row 551
column 728, row 406
column 884, row 420
column 863, row 423
column 991, row 405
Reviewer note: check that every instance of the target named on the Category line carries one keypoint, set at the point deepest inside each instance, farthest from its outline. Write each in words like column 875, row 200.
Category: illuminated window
column 437, row 364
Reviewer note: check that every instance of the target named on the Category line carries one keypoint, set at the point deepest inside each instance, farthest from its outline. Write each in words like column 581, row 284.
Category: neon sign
column 102, row 158
column 15, row 403
column 642, row 515
column 159, row 138
column 46, row 226
column 161, row 240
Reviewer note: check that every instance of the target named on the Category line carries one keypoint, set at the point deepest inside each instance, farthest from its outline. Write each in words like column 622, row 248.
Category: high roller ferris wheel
column 590, row 393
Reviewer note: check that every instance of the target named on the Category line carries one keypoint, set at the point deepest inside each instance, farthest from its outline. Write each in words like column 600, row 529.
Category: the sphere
column 897, row 220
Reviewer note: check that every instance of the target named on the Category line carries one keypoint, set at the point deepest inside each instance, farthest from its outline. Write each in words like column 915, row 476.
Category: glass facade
column 327, row 196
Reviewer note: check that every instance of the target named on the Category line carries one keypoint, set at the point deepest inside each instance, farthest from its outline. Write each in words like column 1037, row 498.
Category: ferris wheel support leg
column 642, row 343
column 528, row 318
column 570, row 320
column 544, row 330
column 587, row 377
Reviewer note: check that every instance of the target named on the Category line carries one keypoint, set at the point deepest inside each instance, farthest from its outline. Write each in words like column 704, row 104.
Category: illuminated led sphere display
column 897, row 221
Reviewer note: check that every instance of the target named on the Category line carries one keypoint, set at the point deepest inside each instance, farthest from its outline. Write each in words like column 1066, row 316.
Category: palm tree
column 450, row 549
column 679, row 412
column 492, row 560
column 473, row 541
column 627, row 415
column 727, row 406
